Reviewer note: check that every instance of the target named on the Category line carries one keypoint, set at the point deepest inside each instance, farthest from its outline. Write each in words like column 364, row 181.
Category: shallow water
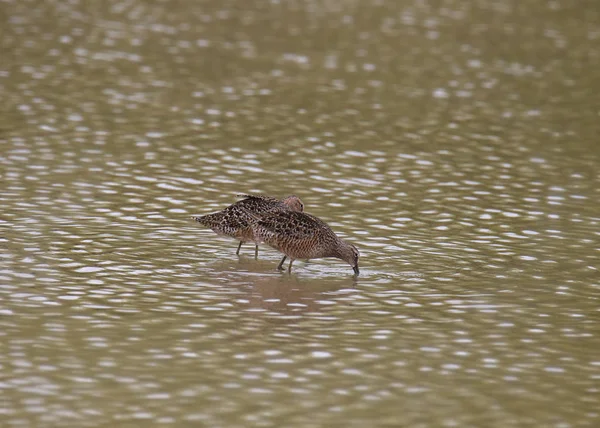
column 455, row 144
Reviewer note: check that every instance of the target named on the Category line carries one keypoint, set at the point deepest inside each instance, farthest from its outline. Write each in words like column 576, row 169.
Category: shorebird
column 300, row 235
column 234, row 221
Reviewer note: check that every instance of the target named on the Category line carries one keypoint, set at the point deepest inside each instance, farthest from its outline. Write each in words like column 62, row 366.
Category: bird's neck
column 339, row 249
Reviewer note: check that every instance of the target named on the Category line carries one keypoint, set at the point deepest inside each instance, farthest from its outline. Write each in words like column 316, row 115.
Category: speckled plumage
column 302, row 236
column 235, row 220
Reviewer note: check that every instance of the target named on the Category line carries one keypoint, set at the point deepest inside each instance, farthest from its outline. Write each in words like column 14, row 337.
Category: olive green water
column 456, row 143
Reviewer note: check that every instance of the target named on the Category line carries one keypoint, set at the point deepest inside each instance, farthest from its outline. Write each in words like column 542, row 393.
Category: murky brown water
column 454, row 142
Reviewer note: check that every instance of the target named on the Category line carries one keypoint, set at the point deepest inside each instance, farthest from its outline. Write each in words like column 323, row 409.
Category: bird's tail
column 207, row 220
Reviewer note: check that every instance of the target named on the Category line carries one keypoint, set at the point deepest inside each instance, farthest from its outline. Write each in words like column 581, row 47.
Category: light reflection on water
column 108, row 283
column 472, row 203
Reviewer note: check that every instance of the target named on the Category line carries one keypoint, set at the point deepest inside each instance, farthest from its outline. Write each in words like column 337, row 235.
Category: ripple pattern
column 441, row 139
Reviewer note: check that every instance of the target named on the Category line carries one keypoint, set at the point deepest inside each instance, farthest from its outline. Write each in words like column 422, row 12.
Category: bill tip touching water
column 284, row 226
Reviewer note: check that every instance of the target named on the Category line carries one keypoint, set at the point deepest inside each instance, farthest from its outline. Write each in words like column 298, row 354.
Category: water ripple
column 472, row 201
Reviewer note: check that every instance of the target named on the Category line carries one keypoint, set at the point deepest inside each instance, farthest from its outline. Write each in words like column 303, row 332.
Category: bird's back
column 235, row 220
column 298, row 235
column 259, row 204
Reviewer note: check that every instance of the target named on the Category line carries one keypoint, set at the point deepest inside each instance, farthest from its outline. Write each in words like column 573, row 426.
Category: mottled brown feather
column 235, row 220
column 303, row 236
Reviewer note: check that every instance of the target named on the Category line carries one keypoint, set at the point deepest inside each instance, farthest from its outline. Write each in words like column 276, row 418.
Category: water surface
column 454, row 143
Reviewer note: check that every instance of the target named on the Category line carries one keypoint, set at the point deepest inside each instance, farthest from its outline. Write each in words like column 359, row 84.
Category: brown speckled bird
column 302, row 236
column 234, row 221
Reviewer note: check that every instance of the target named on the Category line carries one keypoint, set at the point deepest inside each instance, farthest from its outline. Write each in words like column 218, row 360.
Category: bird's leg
column 290, row 266
column 280, row 267
column 256, row 252
column 237, row 253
